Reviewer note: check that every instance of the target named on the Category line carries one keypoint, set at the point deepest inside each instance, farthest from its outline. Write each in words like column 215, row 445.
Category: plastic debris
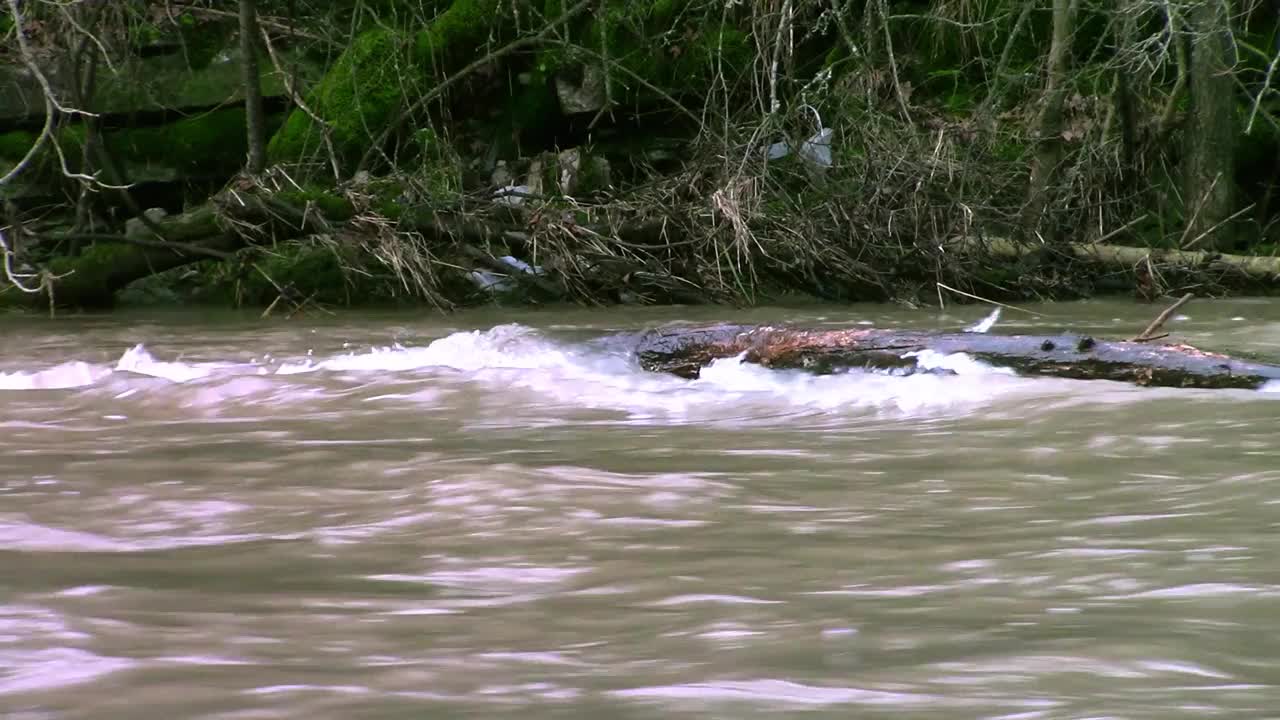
column 816, row 150
column 511, row 194
column 499, row 282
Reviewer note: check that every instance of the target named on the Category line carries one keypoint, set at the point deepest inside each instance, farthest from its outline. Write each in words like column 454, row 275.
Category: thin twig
column 1196, row 240
column 1122, row 228
column 1161, row 319
column 985, row 300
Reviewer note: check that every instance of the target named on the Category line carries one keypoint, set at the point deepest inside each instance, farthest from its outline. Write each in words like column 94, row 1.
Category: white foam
column 867, row 390
column 61, row 377
column 137, row 360
column 517, row 367
column 958, row 363
column 504, row 346
column 512, row 357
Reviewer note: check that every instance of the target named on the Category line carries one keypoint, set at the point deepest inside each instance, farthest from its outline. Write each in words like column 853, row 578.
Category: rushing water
column 494, row 515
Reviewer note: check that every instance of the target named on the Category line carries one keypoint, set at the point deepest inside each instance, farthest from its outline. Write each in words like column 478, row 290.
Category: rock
column 585, row 96
column 567, row 165
column 136, row 229
column 501, row 176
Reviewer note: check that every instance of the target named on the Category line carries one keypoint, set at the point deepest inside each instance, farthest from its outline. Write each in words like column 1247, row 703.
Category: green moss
column 593, row 174
column 438, row 171
column 215, row 141
column 457, row 31
column 14, row 145
column 319, row 273
column 202, row 41
column 1009, row 150
column 44, row 166
column 361, row 94
column 92, row 271
column 725, row 48
column 356, row 98
column 333, row 207
column 311, row 271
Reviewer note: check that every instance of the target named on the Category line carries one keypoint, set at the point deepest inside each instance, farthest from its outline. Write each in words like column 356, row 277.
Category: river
column 496, row 514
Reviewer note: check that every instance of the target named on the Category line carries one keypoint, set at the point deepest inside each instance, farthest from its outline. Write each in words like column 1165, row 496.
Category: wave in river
column 506, row 358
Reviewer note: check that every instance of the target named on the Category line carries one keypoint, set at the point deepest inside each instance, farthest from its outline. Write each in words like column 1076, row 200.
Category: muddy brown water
column 496, row 514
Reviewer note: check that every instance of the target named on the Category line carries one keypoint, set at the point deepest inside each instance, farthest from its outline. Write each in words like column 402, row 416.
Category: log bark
column 1264, row 269
column 684, row 351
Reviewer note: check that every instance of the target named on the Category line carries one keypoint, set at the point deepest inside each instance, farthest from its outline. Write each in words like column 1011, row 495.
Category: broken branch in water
column 1149, row 334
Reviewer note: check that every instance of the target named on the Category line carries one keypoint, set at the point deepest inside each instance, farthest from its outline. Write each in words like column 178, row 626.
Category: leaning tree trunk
column 1048, row 154
column 1209, row 170
column 255, row 119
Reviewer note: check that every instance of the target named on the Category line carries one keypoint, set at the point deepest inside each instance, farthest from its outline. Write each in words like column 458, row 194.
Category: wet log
column 684, row 351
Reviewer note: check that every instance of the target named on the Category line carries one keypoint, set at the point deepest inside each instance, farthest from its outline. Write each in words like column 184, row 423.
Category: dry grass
column 908, row 176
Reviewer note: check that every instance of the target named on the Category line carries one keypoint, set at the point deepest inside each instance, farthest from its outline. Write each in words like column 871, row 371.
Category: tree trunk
column 1261, row 269
column 1209, row 172
column 1048, row 155
column 685, row 351
column 255, row 120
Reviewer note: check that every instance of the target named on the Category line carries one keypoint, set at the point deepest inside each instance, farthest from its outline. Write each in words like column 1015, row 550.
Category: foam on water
column 60, row 377
column 137, row 360
column 510, row 359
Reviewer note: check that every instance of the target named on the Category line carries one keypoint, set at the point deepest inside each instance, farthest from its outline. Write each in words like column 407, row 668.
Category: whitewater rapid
column 516, row 360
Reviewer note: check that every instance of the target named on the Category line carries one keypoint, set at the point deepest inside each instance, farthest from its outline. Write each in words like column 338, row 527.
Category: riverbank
column 631, row 154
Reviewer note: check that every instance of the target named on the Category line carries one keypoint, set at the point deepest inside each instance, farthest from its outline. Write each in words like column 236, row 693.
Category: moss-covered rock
column 356, row 99
column 372, row 81
column 304, row 270
column 208, row 145
column 334, row 207
column 212, row 143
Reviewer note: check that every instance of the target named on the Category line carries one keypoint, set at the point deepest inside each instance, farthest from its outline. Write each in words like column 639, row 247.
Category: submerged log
column 684, row 351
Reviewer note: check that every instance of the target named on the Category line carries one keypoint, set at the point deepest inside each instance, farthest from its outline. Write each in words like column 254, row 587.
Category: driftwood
column 1261, row 269
column 684, row 351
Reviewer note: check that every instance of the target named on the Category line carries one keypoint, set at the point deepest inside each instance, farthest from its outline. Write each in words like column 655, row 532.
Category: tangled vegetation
column 656, row 151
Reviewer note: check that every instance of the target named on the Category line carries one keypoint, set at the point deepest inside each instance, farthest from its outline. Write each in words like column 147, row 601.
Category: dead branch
column 1149, row 334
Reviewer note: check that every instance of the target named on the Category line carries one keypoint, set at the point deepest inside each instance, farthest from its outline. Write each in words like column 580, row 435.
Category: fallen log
column 1263, row 270
column 91, row 279
column 684, row 351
